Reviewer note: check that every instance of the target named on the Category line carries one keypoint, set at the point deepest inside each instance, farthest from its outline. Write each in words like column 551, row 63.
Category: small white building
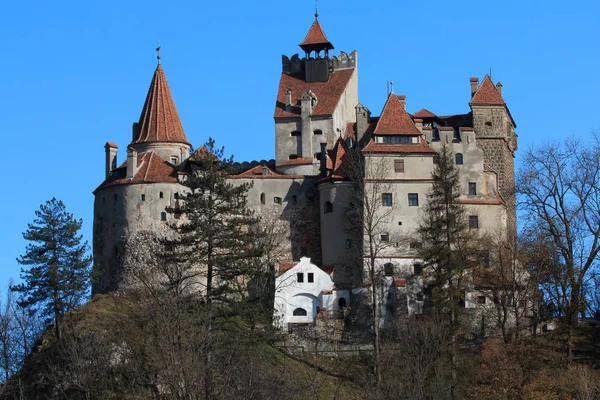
column 304, row 291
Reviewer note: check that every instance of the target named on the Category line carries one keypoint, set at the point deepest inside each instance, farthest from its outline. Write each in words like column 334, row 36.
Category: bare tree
column 559, row 188
column 369, row 214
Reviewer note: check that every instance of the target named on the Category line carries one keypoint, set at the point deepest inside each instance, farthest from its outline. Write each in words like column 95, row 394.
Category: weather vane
column 158, row 53
column 316, row 9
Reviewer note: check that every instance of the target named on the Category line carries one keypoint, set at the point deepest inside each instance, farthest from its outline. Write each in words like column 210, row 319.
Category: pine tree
column 447, row 245
column 56, row 277
column 214, row 238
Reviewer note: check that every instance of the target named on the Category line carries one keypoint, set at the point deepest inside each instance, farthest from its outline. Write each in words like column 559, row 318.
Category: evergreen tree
column 56, row 277
column 215, row 240
column 447, row 245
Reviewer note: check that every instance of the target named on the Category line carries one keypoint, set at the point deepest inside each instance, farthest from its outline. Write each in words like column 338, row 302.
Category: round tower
column 134, row 196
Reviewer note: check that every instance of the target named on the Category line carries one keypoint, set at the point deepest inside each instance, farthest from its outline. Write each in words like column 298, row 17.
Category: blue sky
column 75, row 75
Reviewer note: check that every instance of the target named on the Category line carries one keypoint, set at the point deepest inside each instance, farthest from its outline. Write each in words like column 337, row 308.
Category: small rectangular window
column 300, row 277
column 386, row 199
column 294, row 199
column 385, row 237
column 163, row 216
column 160, row 195
column 310, row 277
column 473, row 222
column 176, row 196
column 174, row 160
column 420, row 296
column 481, row 300
column 413, row 199
column 143, row 197
column 418, row 269
column 399, row 165
column 472, row 188
column 277, row 200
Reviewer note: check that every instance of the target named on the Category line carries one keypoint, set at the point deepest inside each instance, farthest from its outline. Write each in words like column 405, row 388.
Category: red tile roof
column 400, row 282
column 328, row 93
column 316, row 36
column 159, row 121
column 394, row 119
column 424, row 113
column 297, row 161
column 341, row 160
column 257, row 172
column 487, row 95
column 151, row 169
column 285, row 266
column 111, row 144
column 421, row 148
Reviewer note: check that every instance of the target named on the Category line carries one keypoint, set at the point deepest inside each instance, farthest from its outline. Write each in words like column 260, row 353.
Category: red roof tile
column 420, row 148
column 340, row 160
column 400, row 282
column 286, row 266
column 151, row 169
column 328, row 93
column 394, row 119
column 159, row 121
column 111, row 144
column 487, row 95
column 316, row 36
column 297, row 161
column 424, row 113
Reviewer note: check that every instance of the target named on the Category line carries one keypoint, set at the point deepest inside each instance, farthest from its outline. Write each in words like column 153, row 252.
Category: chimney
column 499, row 88
column 132, row 162
column 419, row 124
column 111, row 157
column 288, row 99
column 264, row 170
column 135, row 131
column 306, row 104
column 362, row 121
column 182, row 155
column 402, row 99
column 474, row 85
column 323, row 158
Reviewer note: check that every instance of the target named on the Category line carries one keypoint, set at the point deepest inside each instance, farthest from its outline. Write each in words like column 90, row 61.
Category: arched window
column 317, row 132
column 388, row 269
column 458, row 158
column 342, row 302
column 300, row 312
column 328, row 207
column 262, row 198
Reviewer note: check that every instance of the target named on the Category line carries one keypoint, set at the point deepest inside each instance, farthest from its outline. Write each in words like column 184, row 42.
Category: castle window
column 163, row 216
column 300, row 277
column 385, row 237
column 456, row 137
column 176, row 196
column 413, row 199
column 328, row 207
column 420, row 296
column 418, row 269
column 388, row 269
column 300, row 312
column 310, row 277
column 386, row 199
column 160, row 195
column 473, row 222
column 435, row 135
column 399, row 165
column 174, row 160
column 341, row 302
column 293, row 156
column 488, row 123
column 317, row 132
column 458, row 158
column 472, row 188
column 143, row 197
column 348, row 244
column 296, row 133
column 480, row 299
column 277, row 200
column 262, row 198
column 309, row 198
column 294, row 199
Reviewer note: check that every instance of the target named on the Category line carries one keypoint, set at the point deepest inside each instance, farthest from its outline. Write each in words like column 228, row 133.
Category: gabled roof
column 150, row 169
column 159, row 121
column 341, row 160
column 328, row 93
column 394, row 119
column 257, row 172
column 315, row 38
column 487, row 94
column 424, row 113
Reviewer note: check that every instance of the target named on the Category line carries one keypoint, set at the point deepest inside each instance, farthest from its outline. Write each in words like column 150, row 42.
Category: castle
column 318, row 120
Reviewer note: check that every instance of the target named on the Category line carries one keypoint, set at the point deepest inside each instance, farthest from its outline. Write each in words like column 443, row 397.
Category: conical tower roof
column 315, row 39
column 159, row 121
column 487, row 94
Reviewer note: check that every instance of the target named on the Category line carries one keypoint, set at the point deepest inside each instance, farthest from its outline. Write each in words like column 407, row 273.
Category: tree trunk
column 375, row 310
column 57, row 329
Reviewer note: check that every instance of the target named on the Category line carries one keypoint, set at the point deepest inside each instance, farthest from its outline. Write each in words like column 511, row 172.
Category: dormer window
column 398, row 140
column 174, row 160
